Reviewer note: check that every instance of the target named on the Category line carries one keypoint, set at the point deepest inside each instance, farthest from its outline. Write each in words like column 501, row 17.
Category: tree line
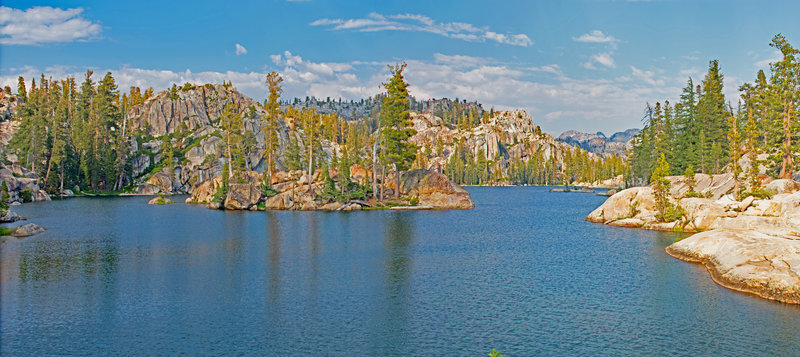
column 705, row 133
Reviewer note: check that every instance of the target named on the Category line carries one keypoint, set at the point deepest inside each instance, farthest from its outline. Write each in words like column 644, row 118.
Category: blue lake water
column 521, row 273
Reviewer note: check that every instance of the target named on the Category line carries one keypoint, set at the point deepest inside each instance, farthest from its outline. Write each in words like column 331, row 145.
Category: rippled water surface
column 521, row 273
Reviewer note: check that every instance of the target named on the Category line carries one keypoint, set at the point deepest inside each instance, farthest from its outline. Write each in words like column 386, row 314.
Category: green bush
column 27, row 195
column 220, row 195
column 671, row 213
column 761, row 193
column 268, row 192
column 4, row 197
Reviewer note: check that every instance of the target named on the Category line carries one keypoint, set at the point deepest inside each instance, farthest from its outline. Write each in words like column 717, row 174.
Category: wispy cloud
column 240, row 50
column 605, row 59
column 774, row 57
column 595, row 36
column 648, row 77
column 44, row 24
column 420, row 23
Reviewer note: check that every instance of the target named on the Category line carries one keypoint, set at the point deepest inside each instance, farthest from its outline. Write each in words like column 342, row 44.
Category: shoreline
column 750, row 245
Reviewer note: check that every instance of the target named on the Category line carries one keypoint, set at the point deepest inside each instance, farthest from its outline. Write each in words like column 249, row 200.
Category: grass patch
column 7, row 231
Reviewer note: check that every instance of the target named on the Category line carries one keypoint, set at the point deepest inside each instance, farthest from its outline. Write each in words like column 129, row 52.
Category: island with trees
column 226, row 150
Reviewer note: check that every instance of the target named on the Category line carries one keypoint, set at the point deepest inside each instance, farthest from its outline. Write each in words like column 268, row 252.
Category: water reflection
column 181, row 279
column 53, row 261
column 274, row 249
column 397, row 272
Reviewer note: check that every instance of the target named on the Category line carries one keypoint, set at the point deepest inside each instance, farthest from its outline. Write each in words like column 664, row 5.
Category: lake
column 521, row 273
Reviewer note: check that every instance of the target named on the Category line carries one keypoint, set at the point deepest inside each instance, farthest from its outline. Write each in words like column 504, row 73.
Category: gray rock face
column 242, row 196
column 139, row 164
column 19, row 179
column 509, row 135
column 27, row 230
column 196, row 108
column 9, row 216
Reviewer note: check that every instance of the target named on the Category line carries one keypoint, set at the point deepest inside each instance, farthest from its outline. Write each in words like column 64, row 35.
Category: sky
column 583, row 65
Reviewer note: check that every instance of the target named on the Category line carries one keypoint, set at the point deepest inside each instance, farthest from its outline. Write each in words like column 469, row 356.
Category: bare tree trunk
column 383, row 180
column 61, row 185
column 375, row 166
column 396, row 181
column 310, row 161
column 786, row 165
column 269, row 170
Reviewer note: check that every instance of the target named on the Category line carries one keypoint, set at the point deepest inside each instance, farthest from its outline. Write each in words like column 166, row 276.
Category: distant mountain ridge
column 599, row 143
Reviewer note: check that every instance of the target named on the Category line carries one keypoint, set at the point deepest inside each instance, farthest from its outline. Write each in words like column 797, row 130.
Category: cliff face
column 197, row 108
column 509, row 136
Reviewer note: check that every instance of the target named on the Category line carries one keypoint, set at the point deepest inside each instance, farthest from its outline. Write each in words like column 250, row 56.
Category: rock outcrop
column 27, row 230
column 293, row 192
column 750, row 245
column 23, row 184
column 506, row 137
column 767, row 265
column 435, row 190
column 160, row 201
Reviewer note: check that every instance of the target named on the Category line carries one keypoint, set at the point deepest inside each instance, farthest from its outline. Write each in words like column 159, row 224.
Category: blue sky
column 585, row 65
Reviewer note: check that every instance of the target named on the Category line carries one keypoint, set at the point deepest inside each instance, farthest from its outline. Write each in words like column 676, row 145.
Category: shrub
column 27, row 195
column 414, row 201
column 633, row 209
column 209, row 160
column 671, row 213
column 695, row 194
column 4, row 197
column 220, row 195
column 761, row 193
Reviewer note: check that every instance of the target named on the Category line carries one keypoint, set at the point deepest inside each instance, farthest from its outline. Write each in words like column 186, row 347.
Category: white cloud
column 557, row 102
column 240, row 50
column 774, row 57
column 605, row 59
column 550, row 68
column 595, row 36
column 646, row 76
column 588, row 65
column 44, row 24
column 420, row 23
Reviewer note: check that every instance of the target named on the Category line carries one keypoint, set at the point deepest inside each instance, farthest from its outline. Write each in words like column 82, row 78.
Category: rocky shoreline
column 750, row 245
column 292, row 191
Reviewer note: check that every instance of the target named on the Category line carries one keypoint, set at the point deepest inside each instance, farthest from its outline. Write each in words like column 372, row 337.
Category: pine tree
column 735, row 150
column 712, row 112
column 661, row 187
column 4, row 197
column 786, row 89
column 686, row 129
column 397, row 124
column 231, row 124
column 311, row 127
column 272, row 106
